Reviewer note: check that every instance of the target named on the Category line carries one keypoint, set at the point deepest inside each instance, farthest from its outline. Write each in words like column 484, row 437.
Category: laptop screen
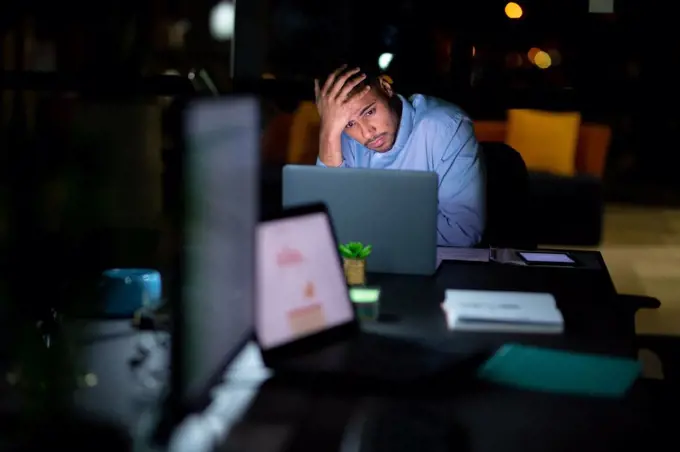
column 301, row 288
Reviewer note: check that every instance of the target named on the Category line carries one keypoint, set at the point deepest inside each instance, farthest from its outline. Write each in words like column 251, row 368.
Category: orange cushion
column 303, row 145
column 593, row 146
column 276, row 138
column 546, row 140
column 490, row 131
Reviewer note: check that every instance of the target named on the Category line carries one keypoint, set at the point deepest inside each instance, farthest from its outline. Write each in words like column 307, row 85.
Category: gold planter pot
column 355, row 271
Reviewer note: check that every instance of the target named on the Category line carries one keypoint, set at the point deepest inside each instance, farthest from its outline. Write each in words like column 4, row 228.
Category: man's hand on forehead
column 333, row 98
column 344, row 83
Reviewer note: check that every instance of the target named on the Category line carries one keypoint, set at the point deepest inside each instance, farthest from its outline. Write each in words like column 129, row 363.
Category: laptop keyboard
column 375, row 355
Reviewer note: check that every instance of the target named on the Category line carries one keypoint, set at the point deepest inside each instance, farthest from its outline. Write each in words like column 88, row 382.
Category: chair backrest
column 508, row 222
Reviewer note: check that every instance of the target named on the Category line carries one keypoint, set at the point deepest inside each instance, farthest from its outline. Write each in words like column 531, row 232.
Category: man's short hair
column 371, row 70
column 372, row 75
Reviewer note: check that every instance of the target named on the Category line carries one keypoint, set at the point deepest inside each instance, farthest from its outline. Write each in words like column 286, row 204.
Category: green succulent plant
column 355, row 250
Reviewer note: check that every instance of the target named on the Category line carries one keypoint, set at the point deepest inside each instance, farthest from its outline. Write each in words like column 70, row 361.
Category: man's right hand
column 332, row 99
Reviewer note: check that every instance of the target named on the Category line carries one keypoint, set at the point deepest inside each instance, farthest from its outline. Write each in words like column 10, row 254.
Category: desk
column 484, row 418
column 273, row 418
column 594, row 320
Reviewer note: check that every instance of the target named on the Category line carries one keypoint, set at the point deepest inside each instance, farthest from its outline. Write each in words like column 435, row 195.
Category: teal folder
column 546, row 370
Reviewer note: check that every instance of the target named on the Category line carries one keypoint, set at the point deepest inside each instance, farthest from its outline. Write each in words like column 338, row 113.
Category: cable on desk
column 150, row 324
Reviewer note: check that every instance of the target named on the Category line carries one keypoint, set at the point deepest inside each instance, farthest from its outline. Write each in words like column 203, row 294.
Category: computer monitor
column 214, row 310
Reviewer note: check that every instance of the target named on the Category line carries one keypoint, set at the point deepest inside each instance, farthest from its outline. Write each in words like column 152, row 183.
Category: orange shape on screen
column 307, row 320
column 309, row 290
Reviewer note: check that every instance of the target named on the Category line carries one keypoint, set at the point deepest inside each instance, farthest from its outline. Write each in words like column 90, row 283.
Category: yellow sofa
column 591, row 150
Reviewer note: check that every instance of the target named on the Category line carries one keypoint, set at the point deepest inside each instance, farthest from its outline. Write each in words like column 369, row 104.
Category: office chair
column 508, row 223
column 667, row 349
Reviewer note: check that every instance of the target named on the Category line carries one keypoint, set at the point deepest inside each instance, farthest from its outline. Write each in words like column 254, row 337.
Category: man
column 364, row 124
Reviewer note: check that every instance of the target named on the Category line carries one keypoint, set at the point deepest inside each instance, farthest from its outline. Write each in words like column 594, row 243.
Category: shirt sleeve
column 462, row 197
column 348, row 154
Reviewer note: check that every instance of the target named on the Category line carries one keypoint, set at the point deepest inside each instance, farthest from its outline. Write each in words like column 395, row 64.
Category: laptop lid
column 393, row 211
column 302, row 302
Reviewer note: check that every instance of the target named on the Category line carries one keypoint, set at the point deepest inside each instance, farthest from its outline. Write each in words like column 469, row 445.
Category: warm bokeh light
column 474, row 51
column 513, row 10
column 268, row 76
column 542, row 60
column 531, row 54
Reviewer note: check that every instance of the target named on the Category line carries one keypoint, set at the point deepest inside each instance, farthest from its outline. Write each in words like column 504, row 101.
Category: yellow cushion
column 303, row 145
column 546, row 140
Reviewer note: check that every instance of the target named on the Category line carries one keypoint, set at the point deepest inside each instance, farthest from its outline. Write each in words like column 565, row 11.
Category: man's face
column 375, row 123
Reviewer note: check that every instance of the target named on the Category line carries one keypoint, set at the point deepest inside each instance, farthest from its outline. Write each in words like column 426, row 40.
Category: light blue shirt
column 435, row 136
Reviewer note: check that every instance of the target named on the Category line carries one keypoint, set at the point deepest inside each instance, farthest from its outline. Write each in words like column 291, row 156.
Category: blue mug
column 126, row 290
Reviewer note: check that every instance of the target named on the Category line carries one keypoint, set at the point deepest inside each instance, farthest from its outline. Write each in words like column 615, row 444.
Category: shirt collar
column 405, row 126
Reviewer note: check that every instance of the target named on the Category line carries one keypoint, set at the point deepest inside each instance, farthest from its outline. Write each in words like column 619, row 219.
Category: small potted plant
column 354, row 255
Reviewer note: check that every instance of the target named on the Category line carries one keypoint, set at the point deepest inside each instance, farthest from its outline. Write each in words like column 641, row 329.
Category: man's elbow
column 460, row 234
column 460, row 238
column 321, row 164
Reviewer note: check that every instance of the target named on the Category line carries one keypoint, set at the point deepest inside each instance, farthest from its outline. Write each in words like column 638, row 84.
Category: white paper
column 499, row 311
column 462, row 254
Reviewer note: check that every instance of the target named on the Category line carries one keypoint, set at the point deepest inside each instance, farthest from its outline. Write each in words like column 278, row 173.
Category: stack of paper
column 499, row 311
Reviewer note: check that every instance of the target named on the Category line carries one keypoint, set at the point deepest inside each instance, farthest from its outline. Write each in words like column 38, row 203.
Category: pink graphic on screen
column 301, row 288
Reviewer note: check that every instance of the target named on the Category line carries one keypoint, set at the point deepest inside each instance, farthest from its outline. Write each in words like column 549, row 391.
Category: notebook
column 556, row 371
column 501, row 311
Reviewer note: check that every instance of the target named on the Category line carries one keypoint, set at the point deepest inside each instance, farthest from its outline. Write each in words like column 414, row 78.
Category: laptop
column 305, row 322
column 394, row 211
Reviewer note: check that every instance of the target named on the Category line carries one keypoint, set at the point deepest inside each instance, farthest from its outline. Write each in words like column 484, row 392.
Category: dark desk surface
column 290, row 419
column 489, row 419
column 485, row 418
column 594, row 320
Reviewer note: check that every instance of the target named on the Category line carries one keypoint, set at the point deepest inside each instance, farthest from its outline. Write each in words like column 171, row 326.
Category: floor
column 641, row 246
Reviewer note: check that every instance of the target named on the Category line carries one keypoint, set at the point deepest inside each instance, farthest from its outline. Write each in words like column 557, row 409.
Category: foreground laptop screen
column 217, row 311
column 301, row 288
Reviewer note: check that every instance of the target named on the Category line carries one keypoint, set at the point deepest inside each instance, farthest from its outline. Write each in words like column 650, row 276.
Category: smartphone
column 548, row 258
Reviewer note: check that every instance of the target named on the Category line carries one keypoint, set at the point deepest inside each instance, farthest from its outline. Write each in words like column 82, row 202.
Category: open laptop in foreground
column 306, row 323
column 393, row 211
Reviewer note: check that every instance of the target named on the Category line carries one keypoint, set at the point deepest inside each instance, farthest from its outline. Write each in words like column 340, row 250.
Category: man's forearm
column 465, row 233
column 330, row 149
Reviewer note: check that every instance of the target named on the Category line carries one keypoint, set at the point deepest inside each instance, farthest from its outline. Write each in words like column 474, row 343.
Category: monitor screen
column 216, row 316
column 548, row 258
column 301, row 288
